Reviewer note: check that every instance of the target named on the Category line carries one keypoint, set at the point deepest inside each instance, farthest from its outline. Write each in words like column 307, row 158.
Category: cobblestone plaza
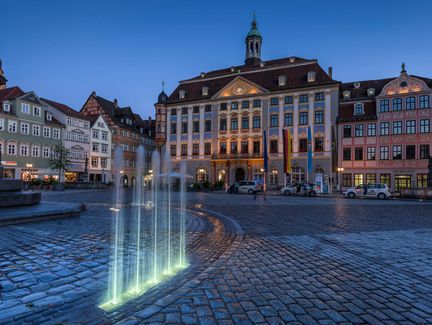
column 284, row 260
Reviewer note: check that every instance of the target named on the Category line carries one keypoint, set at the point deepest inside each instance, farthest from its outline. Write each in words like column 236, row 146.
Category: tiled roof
column 265, row 76
column 10, row 93
column 346, row 112
column 64, row 109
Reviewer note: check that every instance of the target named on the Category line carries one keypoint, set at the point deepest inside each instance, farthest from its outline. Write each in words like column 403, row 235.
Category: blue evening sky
column 124, row 49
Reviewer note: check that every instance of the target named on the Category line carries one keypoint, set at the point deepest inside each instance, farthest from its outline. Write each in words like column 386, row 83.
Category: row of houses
column 32, row 126
column 360, row 132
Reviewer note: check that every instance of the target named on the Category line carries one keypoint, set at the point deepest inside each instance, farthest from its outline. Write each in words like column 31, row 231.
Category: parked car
column 300, row 188
column 249, row 187
column 379, row 191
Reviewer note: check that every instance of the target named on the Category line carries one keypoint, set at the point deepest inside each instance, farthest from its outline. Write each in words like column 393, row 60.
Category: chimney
column 93, row 93
column 150, row 118
column 115, row 102
column 330, row 72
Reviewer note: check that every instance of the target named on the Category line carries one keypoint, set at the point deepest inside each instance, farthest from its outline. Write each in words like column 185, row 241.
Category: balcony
column 237, row 156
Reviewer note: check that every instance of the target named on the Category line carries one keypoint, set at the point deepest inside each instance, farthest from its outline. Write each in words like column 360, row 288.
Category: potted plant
column 59, row 160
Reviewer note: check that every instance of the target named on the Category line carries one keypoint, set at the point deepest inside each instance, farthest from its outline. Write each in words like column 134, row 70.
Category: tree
column 59, row 159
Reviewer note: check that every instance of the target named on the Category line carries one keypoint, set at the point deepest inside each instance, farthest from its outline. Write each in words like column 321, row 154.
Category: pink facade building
column 384, row 131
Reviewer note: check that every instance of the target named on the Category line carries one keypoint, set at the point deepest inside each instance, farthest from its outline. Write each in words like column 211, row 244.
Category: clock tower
column 253, row 45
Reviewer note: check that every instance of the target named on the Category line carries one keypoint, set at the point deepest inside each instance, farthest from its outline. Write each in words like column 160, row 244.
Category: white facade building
column 100, row 151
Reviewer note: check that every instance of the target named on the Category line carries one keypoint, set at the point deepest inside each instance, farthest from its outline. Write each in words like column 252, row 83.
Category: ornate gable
column 404, row 84
column 239, row 87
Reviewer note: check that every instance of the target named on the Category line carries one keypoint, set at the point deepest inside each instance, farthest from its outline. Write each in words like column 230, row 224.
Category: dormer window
column 346, row 94
column 204, row 91
column 6, row 107
column 49, row 116
column 311, row 76
column 182, row 94
column 282, row 81
column 358, row 109
column 292, row 59
column 371, row 92
column 356, row 85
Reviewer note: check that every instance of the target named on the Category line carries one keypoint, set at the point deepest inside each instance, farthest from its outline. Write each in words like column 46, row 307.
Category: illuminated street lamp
column 340, row 170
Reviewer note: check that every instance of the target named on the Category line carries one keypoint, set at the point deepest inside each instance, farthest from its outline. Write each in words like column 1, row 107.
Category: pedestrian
column 365, row 189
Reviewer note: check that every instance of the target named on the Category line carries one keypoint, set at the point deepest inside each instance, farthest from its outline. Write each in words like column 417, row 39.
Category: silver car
column 379, row 191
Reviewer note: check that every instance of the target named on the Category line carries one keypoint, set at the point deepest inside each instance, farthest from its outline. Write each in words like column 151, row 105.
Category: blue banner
column 309, row 153
column 265, row 152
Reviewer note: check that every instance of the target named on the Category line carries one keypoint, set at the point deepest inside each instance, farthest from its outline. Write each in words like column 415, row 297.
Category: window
column 36, row 130
column 183, row 149
column 424, row 126
column 274, row 101
column 304, row 98
column 347, row 131
column 245, row 147
column 384, row 105
column 303, row 118
column 11, row 149
column 273, row 146
column 288, row 119
column 319, row 117
column 208, row 108
column 311, row 76
column 256, row 103
column 370, row 178
column 173, row 128
column 256, row 147
column 103, row 162
column 371, row 130
column 234, row 105
column 184, row 110
column 384, row 128
column 12, row 126
column 94, row 162
column 422, row 180
column 195, row 109
column 36, row 111
column 222, row 124
column 195, row 149
column 234, row 124
column 195, row 126
column 245, row 104
column 303, row 145
column 273, row 120
column 223, row 147
column 46, row 132
column 424, row 151
column 204, row 91
column 288, row 99
column 370, row 153
column 173, row 111
column 397, row 127
column 95, row 134
column 24, row 150
column 397, row 104
column 182, row 94
column 411, row 127
column 282, row 80
column 358, row 179
column 359, row 130
column 6, row 107
column 347, row 154
column 319, row 144
column 410, row 103
column 173, row 150
column 397, row 152
column 410, row 152
column 233, row 147
column 95, row 147
column 104, row 148
column 384, row 153
column 358, row 109
column 46, row 152
column 424, row 101
column 245, row 122
column 24, row 128
column 35, row 151
column 25, row 108
column 358, row 153
column 184, row 127
column 56, row 133
column 319, row 96
column 385, row 179
column 346, row 180
column 207, row 148
column 207, row 125
column 1, row 124
column 256, row 122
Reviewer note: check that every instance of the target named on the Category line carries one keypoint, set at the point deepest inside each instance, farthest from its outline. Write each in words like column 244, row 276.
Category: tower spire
column 253, row 44
column 403, row 68
column 3, row 79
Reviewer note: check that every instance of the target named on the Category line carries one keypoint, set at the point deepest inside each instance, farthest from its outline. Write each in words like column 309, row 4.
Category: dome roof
column 162, row 98
column 254, row 30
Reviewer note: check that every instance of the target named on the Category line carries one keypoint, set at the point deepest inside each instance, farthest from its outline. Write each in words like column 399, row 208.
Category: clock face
column 239, row 91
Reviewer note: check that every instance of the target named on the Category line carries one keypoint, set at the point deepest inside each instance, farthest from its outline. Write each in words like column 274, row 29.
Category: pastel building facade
column 384, row 131
column 101, row 151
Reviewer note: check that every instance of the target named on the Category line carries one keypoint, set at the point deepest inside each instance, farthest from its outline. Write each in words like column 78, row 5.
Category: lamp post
column 340, row 170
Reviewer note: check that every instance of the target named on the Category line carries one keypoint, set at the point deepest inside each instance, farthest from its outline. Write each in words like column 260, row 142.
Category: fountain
column 148, row 236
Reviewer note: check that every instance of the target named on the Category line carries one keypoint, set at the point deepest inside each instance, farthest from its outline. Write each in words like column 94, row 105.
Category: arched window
column 201, row 175
column 297, row 174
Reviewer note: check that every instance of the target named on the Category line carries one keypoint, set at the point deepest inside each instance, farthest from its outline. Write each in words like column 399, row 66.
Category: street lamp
column 340, row 170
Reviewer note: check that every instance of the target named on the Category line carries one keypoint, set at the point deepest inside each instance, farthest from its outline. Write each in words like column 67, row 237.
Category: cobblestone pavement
column 284, row 260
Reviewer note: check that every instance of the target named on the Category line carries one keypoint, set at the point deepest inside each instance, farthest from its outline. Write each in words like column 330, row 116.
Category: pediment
column 32, row 98
column 404, row 84
column 239, row 87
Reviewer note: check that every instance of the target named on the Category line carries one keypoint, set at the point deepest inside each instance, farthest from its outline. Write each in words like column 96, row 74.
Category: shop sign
column 8, row 163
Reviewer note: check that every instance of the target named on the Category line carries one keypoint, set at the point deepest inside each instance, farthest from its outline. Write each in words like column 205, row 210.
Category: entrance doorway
column 239, row 174
column 402, row 181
